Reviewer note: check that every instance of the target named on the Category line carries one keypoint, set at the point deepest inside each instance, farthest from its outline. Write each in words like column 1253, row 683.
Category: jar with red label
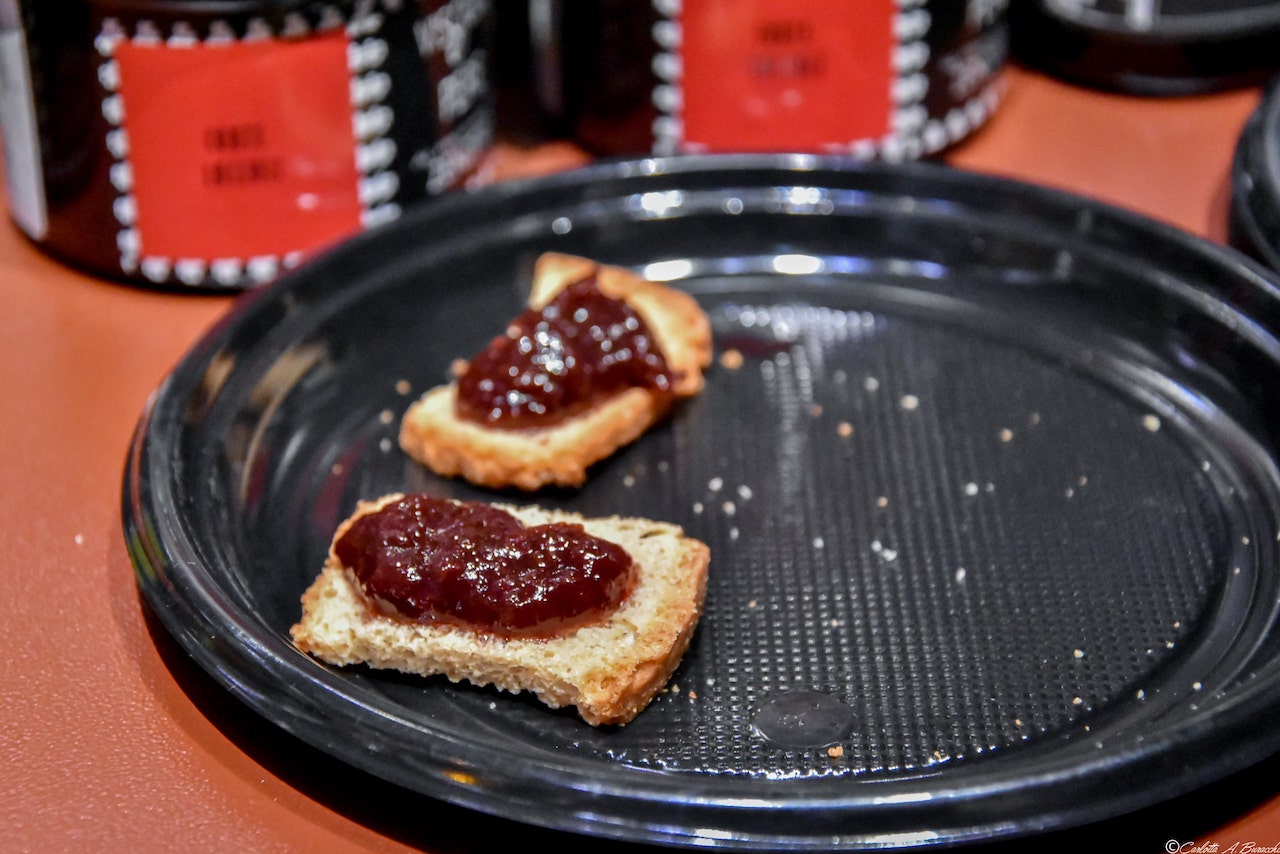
column 891, row 79
column 188, row 143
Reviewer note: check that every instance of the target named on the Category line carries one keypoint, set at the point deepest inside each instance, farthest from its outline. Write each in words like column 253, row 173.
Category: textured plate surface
column 988, row 475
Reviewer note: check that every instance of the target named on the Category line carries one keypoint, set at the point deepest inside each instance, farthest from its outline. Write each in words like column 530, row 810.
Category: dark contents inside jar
column 554, row 363
column 474, row 565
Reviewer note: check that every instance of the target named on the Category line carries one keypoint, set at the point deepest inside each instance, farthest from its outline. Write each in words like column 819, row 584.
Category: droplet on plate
column 804, row 719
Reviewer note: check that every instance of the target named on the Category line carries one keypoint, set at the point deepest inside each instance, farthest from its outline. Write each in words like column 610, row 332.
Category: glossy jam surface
column 552, row 364
column 473, row 565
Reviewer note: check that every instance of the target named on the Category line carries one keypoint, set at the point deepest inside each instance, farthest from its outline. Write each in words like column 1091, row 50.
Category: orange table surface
column 111, row 740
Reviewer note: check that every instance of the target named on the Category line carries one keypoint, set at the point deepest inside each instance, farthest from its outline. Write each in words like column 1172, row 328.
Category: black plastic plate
column 992, row 499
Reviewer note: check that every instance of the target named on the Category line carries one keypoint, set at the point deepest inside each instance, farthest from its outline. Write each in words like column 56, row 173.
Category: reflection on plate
column 988, row 474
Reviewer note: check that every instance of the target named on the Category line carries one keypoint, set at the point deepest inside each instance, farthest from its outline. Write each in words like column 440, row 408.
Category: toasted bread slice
column 560, row 455
column 609, row 670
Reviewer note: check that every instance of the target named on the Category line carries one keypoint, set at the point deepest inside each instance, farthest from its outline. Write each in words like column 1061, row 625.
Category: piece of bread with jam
column 608, row 668
column 436, row 433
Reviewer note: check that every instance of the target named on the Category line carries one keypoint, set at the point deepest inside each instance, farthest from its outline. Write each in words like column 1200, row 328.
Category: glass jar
column 893, row 79
column 214, row 144
column 1144, row 48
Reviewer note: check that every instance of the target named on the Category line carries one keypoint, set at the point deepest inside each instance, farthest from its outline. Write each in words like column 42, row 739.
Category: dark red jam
column 552, row 364
column 474, row 565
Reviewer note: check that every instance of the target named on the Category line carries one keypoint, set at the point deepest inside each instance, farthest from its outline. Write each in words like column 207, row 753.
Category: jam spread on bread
column 474, row 565
column 554, row 363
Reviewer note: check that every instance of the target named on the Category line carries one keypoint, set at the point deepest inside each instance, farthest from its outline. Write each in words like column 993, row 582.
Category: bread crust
column 608, row 670
column 560, row 455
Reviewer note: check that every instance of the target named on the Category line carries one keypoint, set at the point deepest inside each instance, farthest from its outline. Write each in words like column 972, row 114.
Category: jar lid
column 1144, row 48
column 1254, row 222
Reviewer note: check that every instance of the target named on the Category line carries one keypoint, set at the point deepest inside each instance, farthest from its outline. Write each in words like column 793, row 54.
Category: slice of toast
column 559, row 455
column 609, row 670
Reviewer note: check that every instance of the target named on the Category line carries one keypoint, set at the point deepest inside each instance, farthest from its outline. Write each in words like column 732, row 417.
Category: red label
column 240, row 149
column 765, row 75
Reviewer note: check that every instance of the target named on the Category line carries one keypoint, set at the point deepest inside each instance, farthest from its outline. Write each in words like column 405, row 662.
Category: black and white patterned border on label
column 668, row 67
column 913, row 132
column 372, row 120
